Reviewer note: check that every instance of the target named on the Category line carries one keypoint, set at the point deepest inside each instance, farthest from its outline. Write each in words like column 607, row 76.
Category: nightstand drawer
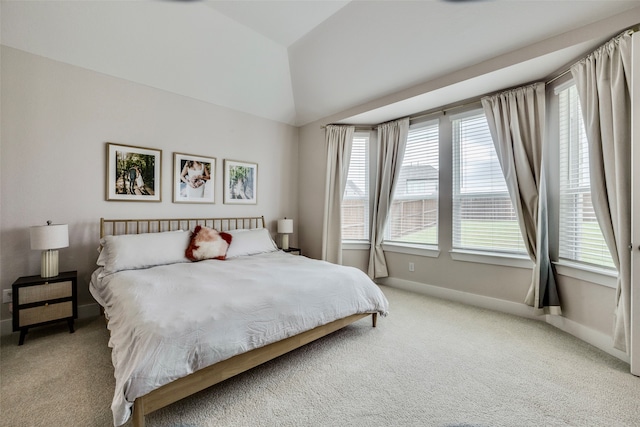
column 38, row 301
column 44, row 292
column 45, row 313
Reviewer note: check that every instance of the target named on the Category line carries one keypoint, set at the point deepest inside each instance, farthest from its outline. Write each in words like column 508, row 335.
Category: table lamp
column 48, row 238
column 285, row 227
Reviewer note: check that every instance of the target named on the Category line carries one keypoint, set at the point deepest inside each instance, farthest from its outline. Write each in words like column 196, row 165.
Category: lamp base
column 285, row 241
column 49, row 264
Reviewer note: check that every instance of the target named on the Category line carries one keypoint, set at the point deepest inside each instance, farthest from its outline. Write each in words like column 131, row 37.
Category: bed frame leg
column 374, row 319
column 138, row 413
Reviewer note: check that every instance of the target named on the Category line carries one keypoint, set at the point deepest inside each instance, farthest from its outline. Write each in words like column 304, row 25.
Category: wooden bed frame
column 211, row 375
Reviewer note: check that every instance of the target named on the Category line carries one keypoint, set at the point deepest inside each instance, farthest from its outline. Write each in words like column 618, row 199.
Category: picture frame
column 133, row 173
column 240, row 182
column 193, row 178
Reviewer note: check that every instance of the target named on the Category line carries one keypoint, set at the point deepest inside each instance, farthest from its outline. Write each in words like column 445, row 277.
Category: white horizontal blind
column 355, row 204
column 414, row 211
column 581, row 239
column 483, row 216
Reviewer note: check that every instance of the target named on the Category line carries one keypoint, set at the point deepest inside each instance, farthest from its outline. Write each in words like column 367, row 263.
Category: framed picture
column 133, row 173
column 240, row 182
column 193, row 178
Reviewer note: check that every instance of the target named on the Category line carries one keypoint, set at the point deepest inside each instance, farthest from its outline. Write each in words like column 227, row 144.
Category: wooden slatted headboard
column 138, row 226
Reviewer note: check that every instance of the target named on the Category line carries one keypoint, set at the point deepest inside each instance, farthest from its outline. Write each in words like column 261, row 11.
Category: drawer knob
column 46, row 304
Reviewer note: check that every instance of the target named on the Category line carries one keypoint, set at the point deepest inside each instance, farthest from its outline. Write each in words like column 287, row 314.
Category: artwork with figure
column 193, row 178
column 132, row 173
column 240, row 182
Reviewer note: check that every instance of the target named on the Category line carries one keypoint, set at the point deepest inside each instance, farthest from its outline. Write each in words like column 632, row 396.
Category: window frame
column 486, row 256
column 592, row 273
column 417, row 248
column 359, row 244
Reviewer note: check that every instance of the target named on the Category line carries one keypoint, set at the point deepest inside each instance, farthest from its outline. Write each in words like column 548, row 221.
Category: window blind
column 355, row 203
column 483, row 216
column 580, row 236
column 414, row 210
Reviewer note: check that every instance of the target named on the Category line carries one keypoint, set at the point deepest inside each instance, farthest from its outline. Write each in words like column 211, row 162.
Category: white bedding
column 169, row 321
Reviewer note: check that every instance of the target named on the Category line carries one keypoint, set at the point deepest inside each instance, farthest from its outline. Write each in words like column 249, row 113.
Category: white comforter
column 169, row 321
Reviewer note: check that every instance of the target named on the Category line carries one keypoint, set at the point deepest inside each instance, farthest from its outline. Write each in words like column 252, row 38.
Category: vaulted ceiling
column 299, row 61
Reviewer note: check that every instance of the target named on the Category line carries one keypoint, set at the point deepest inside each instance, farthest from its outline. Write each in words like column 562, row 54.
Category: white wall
column 56, row 120
column 635, row 212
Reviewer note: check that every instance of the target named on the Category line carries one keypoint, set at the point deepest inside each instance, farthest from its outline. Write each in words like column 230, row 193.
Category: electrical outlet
column 411, row 267
column 7, row 295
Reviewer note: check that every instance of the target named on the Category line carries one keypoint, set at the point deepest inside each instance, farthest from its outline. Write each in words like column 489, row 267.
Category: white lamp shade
column 50, row 236
column 285, row 226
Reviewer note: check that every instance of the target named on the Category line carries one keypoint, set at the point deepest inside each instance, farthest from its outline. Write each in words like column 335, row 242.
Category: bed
column 190, row 302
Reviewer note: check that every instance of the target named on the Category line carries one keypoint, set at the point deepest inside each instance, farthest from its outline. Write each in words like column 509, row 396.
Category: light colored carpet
column 429, row 363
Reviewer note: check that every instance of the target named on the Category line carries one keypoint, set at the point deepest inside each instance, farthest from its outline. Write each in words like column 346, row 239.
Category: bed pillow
column 250, row 242
column 207, row 243
column 134, row 251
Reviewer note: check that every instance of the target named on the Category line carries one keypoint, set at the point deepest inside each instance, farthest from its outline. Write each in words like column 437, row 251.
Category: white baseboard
column 84, row 312
column 596, row 338
column 482, row 301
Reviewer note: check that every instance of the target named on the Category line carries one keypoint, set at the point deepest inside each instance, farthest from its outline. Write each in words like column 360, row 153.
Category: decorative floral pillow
column 208, row 243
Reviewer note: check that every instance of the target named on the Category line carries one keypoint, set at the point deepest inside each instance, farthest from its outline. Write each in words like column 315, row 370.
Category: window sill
column 409, row 249
column 599, row 276
column 495, row 258
column 356, row 246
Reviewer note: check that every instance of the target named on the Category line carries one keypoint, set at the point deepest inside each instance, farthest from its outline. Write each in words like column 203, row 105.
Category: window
column 483, row 216
column 414, row 210
column 581, row 239
column 355, row 204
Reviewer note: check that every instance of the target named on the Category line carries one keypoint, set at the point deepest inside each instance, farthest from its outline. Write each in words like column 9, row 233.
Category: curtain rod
column 564, row 73
column 417, row 116
column 633, row 29
column 357, row 128
column 444, row 111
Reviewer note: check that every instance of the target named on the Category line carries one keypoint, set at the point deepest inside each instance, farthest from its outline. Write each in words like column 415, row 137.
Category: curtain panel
column 603, row 81
column 516, row 120
column 392, row 141
column 338, row 141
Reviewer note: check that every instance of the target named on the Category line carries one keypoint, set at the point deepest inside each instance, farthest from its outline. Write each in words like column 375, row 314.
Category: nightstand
column 39, row 301
column 293, row 251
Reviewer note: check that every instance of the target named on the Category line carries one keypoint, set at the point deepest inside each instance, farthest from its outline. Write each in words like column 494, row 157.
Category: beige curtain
column 516, row 120
column 392, row 141
column 603, row 81
column 338, row 142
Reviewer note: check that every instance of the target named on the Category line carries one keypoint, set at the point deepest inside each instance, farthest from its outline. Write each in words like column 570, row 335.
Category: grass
column 505, row 236
column 487, row 235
